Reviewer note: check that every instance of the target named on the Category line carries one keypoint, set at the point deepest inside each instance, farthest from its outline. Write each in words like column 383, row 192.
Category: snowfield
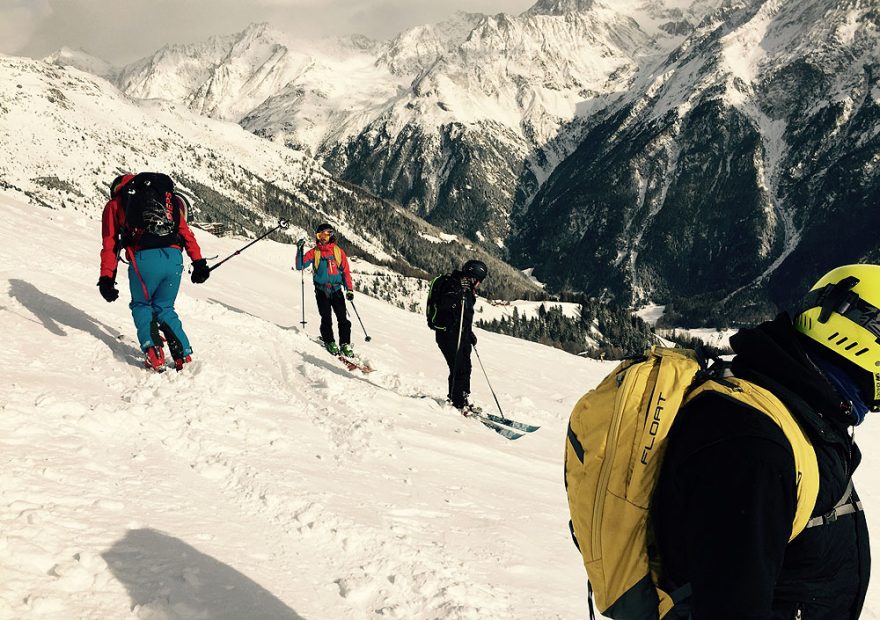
column 266, row 481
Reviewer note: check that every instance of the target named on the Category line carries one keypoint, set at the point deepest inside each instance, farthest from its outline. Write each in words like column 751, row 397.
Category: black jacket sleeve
column 741, row 520
column 732, row 483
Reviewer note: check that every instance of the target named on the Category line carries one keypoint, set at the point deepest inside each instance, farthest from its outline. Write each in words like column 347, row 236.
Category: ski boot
column 180, row 361
column 469, row 410
column 332, row 348
column 155, row 358
column 346, row 350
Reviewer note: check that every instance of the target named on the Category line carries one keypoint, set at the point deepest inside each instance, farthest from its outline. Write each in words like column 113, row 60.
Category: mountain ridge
column 672, row 112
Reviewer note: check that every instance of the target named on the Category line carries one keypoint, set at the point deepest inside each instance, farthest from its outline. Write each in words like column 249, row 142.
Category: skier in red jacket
column 147, row 219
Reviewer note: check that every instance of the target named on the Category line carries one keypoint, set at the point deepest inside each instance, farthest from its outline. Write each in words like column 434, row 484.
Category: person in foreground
column 723, row 507
column 147, row 219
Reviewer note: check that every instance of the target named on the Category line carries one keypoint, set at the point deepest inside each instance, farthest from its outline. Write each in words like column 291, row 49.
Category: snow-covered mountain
column 728, row 180
column 444, row 118
column 68, row 57
column 65, row 134
column 657, row 150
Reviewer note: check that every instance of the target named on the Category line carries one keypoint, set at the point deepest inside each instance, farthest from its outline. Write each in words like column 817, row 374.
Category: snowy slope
column 265, row 481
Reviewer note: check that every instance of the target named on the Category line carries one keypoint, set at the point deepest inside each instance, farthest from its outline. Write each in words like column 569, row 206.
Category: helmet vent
column 833, row 336
column 851, row 346
column 842, row 340
column 860, row 352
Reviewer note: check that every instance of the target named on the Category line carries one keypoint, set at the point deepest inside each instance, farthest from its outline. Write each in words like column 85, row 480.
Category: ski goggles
column 324, row 235
column 864, row 314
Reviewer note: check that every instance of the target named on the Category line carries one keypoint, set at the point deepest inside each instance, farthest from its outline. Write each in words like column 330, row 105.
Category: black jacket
column 724, row 504
column 453, row 296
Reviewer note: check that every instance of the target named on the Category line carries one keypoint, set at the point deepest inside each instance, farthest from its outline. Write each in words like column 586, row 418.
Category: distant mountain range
column 712, row 155
column 65, row 134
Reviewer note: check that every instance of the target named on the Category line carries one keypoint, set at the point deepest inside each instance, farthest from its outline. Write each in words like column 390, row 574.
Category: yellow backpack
column 337, row 254
column 616, row 443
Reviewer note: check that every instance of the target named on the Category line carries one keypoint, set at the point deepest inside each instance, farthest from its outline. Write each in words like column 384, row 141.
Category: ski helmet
column 322, row 236
column 842, row 313
column 119, row 182
column 475, row 269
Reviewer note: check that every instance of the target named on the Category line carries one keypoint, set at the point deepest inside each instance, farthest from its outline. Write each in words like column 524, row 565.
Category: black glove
column 200, row 271
column 107, row 288
column 473, row 339
column 349, row 295
column 300, row 243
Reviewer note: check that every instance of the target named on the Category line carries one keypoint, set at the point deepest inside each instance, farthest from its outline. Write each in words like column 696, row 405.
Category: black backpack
column 439, row 285
column 152, row 211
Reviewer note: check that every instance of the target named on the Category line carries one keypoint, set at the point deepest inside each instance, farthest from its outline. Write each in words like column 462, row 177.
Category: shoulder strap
column 843, row 507
column 337, row 254
column 805, row 463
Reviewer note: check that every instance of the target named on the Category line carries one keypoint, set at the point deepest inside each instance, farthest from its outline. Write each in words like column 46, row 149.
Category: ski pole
column 457, row 346
column 281, row 224
column 302, row 273
column 366, row 337
column 489, row 384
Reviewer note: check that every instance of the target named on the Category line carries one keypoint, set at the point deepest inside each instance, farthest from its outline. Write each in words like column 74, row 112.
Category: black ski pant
column 460, row 384
column 336, row 302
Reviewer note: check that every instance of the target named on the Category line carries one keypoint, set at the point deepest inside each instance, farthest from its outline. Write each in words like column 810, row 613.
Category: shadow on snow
column 55, row 314
column 166, row 576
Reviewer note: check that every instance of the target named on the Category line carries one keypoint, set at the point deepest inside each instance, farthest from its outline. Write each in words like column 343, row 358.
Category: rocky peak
column 559, row 7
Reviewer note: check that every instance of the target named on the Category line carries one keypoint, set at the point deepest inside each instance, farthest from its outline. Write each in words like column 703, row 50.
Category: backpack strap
column 805, row 462
column 337, row 254
column 842, row 507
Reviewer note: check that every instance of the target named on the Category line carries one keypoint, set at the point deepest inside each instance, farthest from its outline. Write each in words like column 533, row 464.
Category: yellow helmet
column 842, row 313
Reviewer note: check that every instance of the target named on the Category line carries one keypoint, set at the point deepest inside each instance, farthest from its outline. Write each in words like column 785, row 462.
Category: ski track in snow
column 265, row 480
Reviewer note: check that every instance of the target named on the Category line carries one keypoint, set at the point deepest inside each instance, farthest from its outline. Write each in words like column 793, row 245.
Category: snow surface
column 264, row 481
column 650, row 313
column 490, row 310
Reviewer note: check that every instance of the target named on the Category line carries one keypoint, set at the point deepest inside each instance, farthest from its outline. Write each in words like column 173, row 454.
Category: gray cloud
column 121, row 31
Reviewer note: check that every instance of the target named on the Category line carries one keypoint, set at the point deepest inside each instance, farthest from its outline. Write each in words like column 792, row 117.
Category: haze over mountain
column 700, row 153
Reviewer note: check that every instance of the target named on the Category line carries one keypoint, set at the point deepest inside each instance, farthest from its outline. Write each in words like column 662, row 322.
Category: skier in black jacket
column 723, row 507
column 452, row 325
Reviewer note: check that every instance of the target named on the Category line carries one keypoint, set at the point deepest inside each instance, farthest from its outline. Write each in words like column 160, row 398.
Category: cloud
column 19, row 19
column 121, row 31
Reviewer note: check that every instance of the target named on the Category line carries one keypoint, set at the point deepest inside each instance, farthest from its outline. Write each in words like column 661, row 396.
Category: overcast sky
column 121, row 31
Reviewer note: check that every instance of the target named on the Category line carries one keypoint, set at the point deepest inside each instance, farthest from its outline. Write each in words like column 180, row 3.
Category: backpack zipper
column 627, row 387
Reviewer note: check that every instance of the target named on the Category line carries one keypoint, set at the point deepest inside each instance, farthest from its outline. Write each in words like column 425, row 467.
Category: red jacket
column 112, row 223
column 328, row 275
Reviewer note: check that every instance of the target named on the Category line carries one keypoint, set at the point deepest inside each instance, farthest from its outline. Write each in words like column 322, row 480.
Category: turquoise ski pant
column 154, row 279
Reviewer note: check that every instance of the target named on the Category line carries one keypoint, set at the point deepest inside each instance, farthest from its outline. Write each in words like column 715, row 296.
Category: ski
column 477, row 414
column 353, row 364
column 507, row 433
column 520, row 426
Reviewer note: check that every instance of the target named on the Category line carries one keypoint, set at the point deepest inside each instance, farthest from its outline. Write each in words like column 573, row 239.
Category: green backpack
column 432, row 307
